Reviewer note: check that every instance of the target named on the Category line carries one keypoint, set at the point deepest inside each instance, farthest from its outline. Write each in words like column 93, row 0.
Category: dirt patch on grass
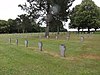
column 72, row 58
column 91, row 56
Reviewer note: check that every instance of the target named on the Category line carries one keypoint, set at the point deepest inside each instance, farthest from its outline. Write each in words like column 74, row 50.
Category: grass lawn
column 81, row 58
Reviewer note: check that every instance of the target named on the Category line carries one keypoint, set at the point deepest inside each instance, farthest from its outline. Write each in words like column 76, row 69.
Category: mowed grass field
column 81, row 58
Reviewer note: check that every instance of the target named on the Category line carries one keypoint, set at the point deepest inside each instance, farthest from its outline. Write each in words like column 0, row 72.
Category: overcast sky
column 10, row 9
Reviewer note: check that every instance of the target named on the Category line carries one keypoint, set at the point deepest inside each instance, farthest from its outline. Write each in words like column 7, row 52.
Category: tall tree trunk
column 88, row 30
column 78, row 30
column 18, row 30
column 95, row 29
column 47, row 27
column 58, row 29
column 47, row 30
column 82, row 30
column 23, row 30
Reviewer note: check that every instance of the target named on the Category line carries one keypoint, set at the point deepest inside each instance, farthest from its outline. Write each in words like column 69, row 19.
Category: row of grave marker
column 68, row 37
column 56, row 37
column 40, row 46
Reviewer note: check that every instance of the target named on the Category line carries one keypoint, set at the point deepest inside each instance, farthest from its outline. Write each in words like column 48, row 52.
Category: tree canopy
column 47, row 9
column 85, row 15
column 22, row 24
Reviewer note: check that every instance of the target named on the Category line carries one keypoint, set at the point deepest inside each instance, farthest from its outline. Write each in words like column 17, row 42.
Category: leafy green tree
column 35, row 27
column 18, row 24
column 56, row 26
column 25, row 23
column 3, row 26
column 11, row 26
column 21, row 24
column 97, row 24
column 57, row 9
column 75, row 18
column 84, row 15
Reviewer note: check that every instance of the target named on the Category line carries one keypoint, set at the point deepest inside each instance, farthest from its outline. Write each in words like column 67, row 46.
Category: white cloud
column 10, row 9
column 97, row 2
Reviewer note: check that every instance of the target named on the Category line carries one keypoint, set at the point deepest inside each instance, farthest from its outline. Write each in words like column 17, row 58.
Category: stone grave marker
column 62, row 50
column 17, row 42
column 47, row 37
column 40, row 36
column 40, row 45
column 68, row 34
column 56, row 37
column 26, row 43
column 81, row 38
column 10, row 40
column 68, row 37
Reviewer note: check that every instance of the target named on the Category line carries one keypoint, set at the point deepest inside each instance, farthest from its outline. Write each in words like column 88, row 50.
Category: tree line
column 83, row 16
column 52, row 13
column 22, row 24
